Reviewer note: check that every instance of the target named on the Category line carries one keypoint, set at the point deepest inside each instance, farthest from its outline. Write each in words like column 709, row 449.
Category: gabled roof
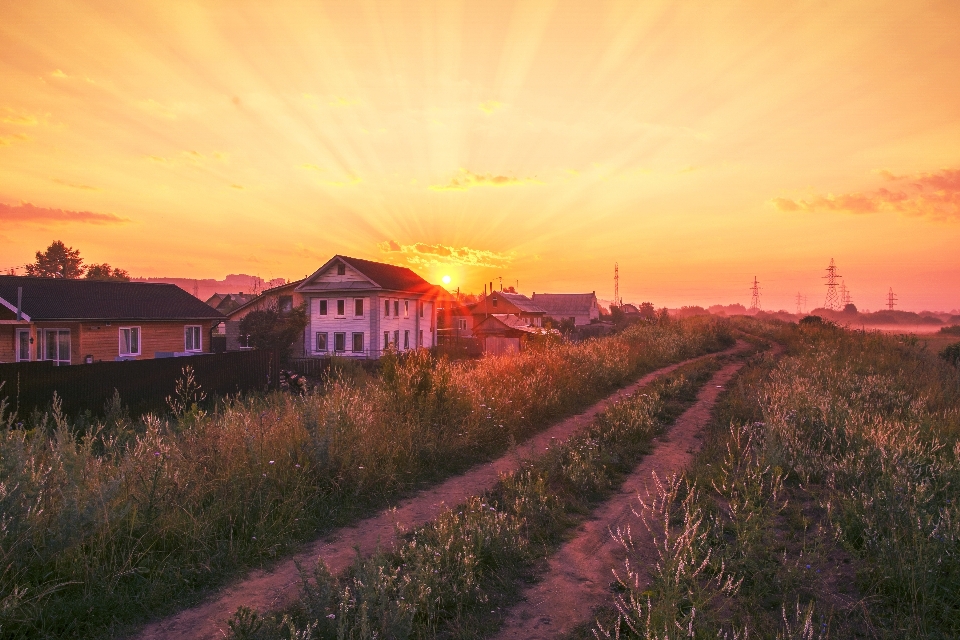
column 60, row 299
column 380, row 275
column 508, row 322
column 519, row 301
column 565, row 304
column 254, row 300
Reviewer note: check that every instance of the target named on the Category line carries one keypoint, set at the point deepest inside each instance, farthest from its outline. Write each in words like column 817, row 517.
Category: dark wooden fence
column 143, row 385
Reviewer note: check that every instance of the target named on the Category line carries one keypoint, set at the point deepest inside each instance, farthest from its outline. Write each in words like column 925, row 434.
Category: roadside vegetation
column 451, row 577
column 108, row 524
column 823, row 504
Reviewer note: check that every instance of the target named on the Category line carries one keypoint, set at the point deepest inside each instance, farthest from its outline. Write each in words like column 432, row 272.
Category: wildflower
column 332, row 616
column 271, row 462
column 297, row 466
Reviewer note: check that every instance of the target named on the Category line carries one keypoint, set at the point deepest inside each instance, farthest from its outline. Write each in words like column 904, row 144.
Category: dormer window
column 341, row 269
column 494, row 302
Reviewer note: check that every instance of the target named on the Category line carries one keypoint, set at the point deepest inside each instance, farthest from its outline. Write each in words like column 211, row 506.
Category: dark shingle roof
column 565, row 304
column 389, row 276
column 58, row 299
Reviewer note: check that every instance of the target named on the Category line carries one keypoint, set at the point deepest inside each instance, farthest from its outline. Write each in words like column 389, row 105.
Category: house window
column 406, row 339
column 341, row 307
column 386, row 308
column 55, row 346
column 191, row 339
column 396, row 339
column 129, row 341
column 494, row 302
column 420, row 344
column 421, row 305
column 358, row 307
column 23, row 345
column 339, row 342
column 322, row 341
column 323, row 308
column 285, row 304
column 358, row 343
column 386, row 340
column 406, row 308
column 462, row 324
column 396, row 308
column 341, row 269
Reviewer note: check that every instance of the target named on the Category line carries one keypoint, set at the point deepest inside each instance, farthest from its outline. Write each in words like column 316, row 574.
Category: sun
column 446, row 279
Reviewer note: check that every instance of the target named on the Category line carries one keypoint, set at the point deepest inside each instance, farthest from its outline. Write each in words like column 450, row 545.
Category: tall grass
column 849, row 442
column 447, row 574
column 108, row 524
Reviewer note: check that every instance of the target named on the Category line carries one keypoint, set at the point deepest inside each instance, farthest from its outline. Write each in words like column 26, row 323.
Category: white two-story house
column 358, row 308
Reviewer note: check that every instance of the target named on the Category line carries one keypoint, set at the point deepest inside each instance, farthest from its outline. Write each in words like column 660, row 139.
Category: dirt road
column 580, row 574
column 275, row 588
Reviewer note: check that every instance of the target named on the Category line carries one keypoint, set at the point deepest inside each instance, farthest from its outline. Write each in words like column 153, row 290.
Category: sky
column 695, row 145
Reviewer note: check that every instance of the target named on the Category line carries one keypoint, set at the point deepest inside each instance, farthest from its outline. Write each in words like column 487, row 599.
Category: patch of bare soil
column 580, row 575
column 278, row 587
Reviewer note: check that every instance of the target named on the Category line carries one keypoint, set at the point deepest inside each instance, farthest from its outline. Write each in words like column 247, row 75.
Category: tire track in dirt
column 278, row 587
column 580, row 574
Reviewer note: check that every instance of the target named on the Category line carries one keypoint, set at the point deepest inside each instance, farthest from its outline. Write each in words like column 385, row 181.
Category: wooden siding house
column 582, row 308
column 76, row 321
column 505, row 334
column 284, row 297
column 358, row 308
column 503, row 303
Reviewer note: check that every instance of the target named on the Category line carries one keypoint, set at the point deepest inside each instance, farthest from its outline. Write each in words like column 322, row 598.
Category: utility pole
column 833, row 299
column 891, row 299
column 755, row 295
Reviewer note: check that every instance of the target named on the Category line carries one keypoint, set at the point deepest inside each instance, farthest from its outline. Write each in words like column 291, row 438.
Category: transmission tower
column 891, row 299
column 616, row 285
column 845, row 297
column 833, row 299
column 755, row 295
column 799, row 303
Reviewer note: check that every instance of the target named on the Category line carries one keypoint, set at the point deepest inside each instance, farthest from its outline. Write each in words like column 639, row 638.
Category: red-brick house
column 77, row 321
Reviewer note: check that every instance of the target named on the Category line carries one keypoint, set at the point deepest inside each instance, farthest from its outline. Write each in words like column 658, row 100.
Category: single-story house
column 503, row 334
column 629, row 309
column 77, row 321
column 359, row 308
column 503, row 303
column 581, row 307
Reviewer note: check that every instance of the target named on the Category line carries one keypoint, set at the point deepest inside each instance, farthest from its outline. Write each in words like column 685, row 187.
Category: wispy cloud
column 27, row 213
column 311, row 167
column 191, row 157
column 6, row 141
column 468, row 180
column 490, row 106
column 73, row 185
column 57, row 73
column 428, row 255
column 159, row 110
column 21, row 118
column 933, row 195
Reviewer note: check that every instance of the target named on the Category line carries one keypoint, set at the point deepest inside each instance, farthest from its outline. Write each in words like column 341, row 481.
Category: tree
column 105, row 272
column 58, row 261
column 274, row 330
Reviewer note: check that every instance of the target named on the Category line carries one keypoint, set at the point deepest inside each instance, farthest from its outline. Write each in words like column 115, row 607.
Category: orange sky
column 698, row 144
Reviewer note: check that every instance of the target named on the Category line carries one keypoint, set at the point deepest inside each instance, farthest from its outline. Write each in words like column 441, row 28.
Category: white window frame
column 360, row 302
column 406, row 338
column 20, row 355
column 322, row 307
column 421, row 338
column 340, row 334
column 198, row 330
column 386, row 340
column 341, row 303
column 42, row 347
column 326, row 342
column 396, row 308
column 386, row 308
column 396, row 339
column 130, row 330
column 406, row 308
column 353, row 342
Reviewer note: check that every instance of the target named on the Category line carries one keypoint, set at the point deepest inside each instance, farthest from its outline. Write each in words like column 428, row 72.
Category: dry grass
column 108, row 524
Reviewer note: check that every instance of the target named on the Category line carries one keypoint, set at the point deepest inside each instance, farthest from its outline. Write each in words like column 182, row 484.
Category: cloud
column 311, row 167
column 468, row 180
column 26, row 212
column 57, row 73
column 339, row 101
column 932, row 195
column 83, row 187
column 6, row 141
column 22, row 118
column 428, row 255
column 490, row 106
column 159, row 110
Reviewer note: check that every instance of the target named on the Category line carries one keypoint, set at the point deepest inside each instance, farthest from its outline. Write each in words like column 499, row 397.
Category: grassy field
column 824, row 503
column 450, row 577
column 108, row 524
